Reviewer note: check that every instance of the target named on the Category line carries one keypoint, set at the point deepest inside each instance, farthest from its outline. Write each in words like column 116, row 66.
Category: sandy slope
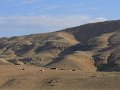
column 78, row 60
column 57, row 49
column 32, row 78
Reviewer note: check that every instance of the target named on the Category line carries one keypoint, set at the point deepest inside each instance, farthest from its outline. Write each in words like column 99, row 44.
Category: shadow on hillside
column 70, row 50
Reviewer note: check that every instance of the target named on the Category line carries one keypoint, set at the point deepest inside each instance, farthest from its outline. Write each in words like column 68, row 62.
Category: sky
column 22, row 17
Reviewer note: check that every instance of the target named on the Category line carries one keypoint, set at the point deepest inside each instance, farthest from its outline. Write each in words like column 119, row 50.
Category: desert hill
column 89, row 47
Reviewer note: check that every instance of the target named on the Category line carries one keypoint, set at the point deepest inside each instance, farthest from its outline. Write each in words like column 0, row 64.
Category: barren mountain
column 90, row 47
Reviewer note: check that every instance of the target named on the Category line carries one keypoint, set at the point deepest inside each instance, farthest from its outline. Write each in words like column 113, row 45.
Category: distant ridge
column 89, row 47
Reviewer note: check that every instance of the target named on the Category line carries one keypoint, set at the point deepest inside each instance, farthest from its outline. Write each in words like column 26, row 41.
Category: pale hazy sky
column 20, row 17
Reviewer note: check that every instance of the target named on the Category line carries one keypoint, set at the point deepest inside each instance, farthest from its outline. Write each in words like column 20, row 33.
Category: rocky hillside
column 90, row 47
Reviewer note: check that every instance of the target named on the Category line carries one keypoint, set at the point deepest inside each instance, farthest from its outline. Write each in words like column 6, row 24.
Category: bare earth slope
column 90, row 47
column 13, row 77
column 65, row 60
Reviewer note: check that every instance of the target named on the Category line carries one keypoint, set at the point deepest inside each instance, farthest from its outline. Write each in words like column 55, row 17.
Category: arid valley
column 85, row 57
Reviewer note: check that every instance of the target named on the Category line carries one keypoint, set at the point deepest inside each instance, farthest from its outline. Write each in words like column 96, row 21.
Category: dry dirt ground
column 19, row 77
